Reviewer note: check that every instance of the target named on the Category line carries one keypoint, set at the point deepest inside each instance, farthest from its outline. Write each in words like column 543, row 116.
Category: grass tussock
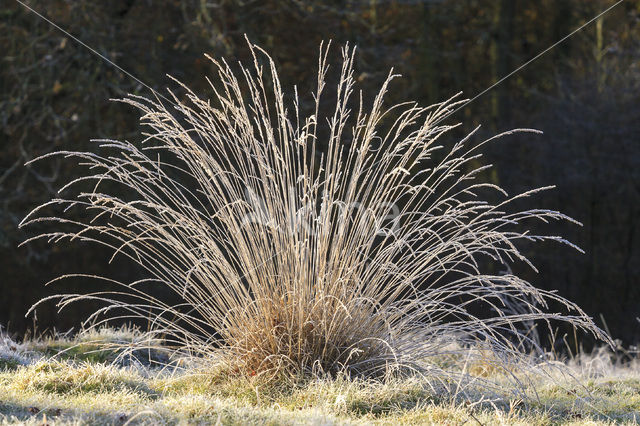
column 304, row 239
column 57, row 377
column 103, row 345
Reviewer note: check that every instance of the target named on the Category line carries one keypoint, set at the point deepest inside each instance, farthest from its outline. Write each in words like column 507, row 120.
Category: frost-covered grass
column 328, row 233
column 76, row 387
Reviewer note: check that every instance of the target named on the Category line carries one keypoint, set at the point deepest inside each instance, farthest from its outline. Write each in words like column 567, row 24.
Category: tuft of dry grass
column 364, row 259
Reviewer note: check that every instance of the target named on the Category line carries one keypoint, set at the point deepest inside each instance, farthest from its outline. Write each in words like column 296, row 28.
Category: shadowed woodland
column 583, row 95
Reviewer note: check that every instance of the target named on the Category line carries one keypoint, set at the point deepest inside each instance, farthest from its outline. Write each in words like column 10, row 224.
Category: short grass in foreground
column 76, row 387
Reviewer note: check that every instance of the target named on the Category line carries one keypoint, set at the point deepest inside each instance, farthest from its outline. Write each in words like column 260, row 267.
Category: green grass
column 78, row 389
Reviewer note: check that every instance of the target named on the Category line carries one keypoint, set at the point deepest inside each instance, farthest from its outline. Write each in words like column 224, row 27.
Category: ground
column 60, row 381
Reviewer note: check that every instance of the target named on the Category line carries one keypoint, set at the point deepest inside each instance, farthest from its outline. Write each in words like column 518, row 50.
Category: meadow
column 68, row 381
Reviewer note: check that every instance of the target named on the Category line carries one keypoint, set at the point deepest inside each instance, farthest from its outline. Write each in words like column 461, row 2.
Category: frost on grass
column 347, row 238
column 84, row 392
column 12, row 354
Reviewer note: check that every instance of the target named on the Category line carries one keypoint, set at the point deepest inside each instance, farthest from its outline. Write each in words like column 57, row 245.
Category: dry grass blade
column 364, row 259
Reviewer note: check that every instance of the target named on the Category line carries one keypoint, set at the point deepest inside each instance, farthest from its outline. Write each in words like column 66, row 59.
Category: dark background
column 583, row 94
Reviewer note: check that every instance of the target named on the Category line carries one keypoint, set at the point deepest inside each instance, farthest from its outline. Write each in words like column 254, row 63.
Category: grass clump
column 103, row 345
column 60, row 377
column 11, row 354
column 91, row 352
column 344, row 239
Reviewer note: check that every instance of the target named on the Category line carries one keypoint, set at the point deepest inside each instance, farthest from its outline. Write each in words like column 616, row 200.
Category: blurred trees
column 583, row 94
